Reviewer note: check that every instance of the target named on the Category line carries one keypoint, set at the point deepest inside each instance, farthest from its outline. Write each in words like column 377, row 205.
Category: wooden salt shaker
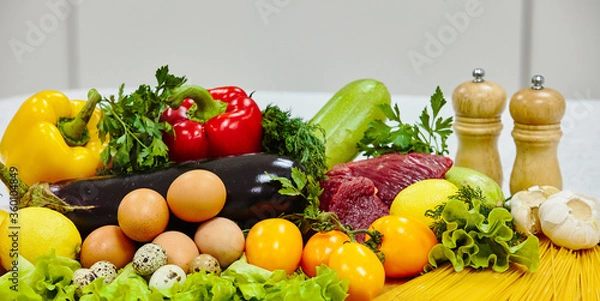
column 537, row 113
column 478, row 106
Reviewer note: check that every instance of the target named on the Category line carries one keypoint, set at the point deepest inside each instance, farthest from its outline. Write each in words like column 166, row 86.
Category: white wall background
column 294, row 45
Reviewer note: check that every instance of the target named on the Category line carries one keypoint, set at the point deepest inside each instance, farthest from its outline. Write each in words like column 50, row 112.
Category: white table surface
column 577, row 151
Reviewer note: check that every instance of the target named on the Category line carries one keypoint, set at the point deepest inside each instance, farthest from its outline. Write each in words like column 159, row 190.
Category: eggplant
column 251, row 194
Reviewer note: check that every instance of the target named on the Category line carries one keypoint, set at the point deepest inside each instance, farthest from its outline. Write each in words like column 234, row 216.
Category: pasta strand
column 563, row 274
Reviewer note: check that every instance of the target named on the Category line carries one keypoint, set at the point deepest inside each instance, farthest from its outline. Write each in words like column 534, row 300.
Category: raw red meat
column 355, row 202
column 359, row 192
column 390, row 173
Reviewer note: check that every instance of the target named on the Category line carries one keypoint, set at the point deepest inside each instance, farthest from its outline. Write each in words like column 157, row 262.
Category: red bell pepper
column 218, row 122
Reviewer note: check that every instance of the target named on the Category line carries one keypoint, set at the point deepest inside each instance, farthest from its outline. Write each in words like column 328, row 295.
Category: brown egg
column 143, row 214
column 180, row 248
column 222, row 238
column 107, row 243
column 196, row 196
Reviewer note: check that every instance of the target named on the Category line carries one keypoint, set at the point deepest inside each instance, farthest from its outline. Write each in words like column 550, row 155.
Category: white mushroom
column 524, row 207
column 571, row 220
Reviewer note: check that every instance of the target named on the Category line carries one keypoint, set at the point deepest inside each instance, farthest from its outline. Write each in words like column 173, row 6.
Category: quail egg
column 166, row 276
column 105, row 269
column 205, row 262
column 148, row 258
column 82, row 277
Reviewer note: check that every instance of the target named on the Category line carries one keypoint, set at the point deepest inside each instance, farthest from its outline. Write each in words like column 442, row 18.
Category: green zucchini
column 347, row 115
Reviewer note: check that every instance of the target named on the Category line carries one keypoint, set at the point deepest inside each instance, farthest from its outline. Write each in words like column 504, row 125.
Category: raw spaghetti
column 563, row 275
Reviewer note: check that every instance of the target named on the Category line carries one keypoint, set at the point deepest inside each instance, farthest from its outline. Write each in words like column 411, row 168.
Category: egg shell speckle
column 166, row 276
column 148, row 258
column 105, row 269
column 205, row 262
column 82, row 277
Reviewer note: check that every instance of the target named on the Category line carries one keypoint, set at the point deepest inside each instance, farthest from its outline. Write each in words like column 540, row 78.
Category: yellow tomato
column 406, row 244
column 319, row 248
column 361, row 267
column 274, row 244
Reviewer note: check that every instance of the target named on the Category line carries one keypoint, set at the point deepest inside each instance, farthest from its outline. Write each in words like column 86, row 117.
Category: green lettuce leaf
column 127, row 286
column 203, row 286
column 472, row 239
column 250, row 279
column 12, row 287
column 49, row 279
column 255, row 283
column 240, row 281
column 243, row 281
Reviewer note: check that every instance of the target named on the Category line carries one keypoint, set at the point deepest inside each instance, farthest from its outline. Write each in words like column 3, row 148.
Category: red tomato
column 406, row 244
column 318, row 249
column 274, row 244
column 361, row 267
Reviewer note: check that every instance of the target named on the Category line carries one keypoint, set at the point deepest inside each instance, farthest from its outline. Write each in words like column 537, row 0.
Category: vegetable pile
column 51, row 279
column 186, row 193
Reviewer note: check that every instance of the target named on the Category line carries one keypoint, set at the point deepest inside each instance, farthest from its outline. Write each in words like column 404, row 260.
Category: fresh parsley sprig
column 302, row 185
column 131, row 123
column 429, row 135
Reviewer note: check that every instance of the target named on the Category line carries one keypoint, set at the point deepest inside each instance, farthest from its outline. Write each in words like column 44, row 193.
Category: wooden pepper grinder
column 478, row 105
column 537, row 113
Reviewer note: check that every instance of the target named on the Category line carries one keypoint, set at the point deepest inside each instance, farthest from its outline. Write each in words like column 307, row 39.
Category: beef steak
column 390, row 172
column 360, row 192
column 355, row 202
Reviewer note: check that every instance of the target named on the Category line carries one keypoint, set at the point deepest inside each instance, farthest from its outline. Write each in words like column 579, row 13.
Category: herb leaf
column 429, row 135
column 294, row 138
column 437, row 101
column 304, row 186
column 132, row 124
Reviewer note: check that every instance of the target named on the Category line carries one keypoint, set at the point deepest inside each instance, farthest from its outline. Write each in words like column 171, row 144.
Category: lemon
column 421, row 196
column 34, row 232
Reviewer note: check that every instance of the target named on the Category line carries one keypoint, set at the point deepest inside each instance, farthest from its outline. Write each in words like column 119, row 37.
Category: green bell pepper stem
column 204, row 108
column 74, row 130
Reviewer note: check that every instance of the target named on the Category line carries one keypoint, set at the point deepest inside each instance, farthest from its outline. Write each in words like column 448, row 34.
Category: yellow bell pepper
column 52, row 138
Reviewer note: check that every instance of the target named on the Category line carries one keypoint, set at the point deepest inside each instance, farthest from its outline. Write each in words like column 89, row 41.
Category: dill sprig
column 294, row 138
